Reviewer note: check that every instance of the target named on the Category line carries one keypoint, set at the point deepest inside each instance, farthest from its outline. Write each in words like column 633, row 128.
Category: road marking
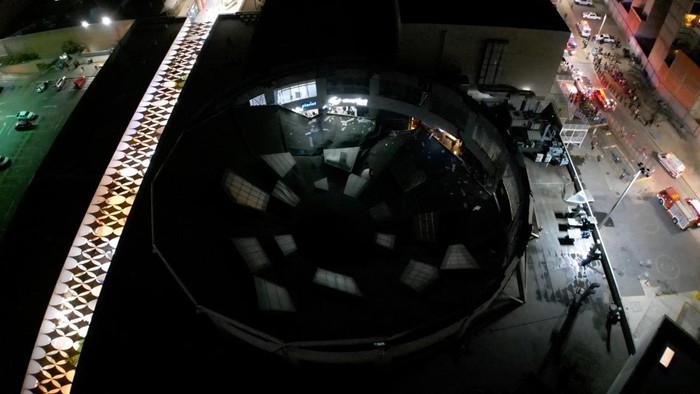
column 59, row 123
column 9, row 209
column 50, row 106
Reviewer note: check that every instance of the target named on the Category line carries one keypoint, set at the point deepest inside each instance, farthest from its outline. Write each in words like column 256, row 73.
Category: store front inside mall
column 209, row 10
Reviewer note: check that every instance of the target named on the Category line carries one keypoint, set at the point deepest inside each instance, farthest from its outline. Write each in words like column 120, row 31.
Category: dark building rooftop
column 536, row 14
column 199, row 229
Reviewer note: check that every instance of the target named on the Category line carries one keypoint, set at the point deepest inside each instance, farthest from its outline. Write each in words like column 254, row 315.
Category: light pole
column 641, row 170
column 602, row 23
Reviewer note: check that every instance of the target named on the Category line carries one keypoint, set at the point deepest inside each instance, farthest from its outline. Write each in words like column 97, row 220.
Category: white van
column 672, row 164
column 584, row 29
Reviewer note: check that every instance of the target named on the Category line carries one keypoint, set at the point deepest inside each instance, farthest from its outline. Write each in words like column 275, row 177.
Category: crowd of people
column 612, row 77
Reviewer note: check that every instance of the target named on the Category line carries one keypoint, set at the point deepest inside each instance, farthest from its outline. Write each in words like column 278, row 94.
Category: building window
column 245, row 193
column 259, row 100
column 252, row 252
column 491, row 63
column 296, row 92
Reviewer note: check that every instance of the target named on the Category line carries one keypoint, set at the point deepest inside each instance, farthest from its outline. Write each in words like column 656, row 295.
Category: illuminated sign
column 307, row 105
column 333, row 101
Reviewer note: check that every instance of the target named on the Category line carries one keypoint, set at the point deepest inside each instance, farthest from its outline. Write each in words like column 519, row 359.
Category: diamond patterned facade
column 67, row 319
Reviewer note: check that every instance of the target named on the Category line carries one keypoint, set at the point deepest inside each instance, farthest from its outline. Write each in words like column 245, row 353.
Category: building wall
column 683, row 81
column 655, row 12
column 677, row 84
column 452, row 47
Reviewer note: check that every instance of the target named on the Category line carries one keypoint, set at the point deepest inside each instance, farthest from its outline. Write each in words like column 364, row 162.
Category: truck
column 671, row 163
column 684, row 211
column 584, row 29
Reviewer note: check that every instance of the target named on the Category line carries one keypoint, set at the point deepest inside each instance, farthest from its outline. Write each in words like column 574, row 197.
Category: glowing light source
column 106, row 20
column 84, row 24
column 666, row 358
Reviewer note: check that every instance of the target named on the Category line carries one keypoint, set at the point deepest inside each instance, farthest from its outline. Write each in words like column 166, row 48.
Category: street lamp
column 642, row 170
column 602, row 23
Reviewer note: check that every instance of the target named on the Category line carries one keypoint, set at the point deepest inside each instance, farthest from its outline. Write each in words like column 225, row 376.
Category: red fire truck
column 684, row 211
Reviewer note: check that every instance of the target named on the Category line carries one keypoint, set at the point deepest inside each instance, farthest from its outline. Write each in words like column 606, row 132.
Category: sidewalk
column 644, row 311
column 591, row 356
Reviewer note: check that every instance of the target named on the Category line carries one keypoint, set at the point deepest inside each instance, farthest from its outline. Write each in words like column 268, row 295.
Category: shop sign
column 333, row 101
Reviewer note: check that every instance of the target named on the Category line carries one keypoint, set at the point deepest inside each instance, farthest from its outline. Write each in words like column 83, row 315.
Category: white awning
column 581, row 197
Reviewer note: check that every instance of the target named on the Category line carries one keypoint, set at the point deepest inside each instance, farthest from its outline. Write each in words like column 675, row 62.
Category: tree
column 71, row 46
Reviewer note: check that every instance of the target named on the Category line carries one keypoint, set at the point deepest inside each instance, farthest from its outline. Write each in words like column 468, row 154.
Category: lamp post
column 602, row 23
column 642, row 170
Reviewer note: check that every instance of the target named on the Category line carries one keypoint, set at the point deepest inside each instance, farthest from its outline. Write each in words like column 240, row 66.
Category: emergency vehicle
column 672, row 164
column 604, row 102
column 684, row 211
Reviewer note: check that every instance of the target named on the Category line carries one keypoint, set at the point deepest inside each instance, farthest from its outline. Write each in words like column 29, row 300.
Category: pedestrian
column 585, row 262
column 613, row 315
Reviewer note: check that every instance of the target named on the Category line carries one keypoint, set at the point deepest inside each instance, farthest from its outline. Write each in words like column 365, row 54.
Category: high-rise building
column 664, row 38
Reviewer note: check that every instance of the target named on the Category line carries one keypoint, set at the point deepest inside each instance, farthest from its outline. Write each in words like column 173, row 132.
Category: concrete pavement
column 592, row 356
column 647, row 297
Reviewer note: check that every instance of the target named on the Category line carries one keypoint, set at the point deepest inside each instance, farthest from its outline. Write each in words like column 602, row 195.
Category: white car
column 5, row 162
column 604, row 38
column 25, row 115
column 60, row 82
column 584, row 2
column 592, row 15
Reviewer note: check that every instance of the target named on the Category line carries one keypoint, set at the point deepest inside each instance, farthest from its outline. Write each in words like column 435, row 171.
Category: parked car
column 228, row 3
column 592, row 15
column 60, row 82
column 23, row 125
column 42, row 86
column 570, row 48
column 584, row 2
column 604, row 38
column 79, row 82
column 5, row 162
column 26, row 115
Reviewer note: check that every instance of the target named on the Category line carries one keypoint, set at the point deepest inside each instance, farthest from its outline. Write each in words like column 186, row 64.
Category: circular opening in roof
column 333, row 229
